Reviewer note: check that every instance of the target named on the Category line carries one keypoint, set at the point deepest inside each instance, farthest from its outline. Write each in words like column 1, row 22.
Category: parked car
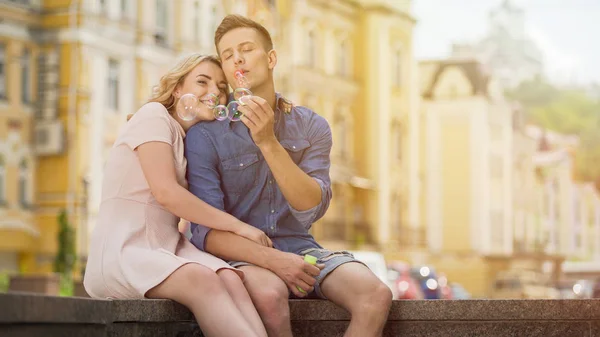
column 404, row 286
column 445, row 290
column 427, row 279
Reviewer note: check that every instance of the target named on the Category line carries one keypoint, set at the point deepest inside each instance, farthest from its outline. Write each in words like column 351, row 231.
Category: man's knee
column 272, row 297
column 269, row 295
column 377, row 301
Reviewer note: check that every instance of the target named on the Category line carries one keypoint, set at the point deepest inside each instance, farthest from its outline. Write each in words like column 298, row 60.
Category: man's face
column 244, row 49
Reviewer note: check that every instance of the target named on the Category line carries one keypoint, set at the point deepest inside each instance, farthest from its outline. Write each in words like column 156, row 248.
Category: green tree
column 567, row 111
column 65, row 257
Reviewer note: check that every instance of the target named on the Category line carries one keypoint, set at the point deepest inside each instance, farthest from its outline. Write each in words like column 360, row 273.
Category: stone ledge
column 29, row 313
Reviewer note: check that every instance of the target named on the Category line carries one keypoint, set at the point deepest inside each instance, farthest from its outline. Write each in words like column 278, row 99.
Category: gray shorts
column 331, row 260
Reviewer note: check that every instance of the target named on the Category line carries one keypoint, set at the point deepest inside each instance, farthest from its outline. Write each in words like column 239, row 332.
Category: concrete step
column 23, row 314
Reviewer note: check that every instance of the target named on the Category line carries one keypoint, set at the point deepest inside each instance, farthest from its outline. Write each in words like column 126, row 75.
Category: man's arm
column 291, row 268
column 306, row 187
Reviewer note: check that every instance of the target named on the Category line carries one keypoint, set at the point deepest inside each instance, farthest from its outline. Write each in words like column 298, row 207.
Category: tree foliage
column 569, row 111
column 65, row 257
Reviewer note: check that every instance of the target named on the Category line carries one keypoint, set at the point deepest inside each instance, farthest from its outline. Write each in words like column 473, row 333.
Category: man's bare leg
column 355, row 288
column 270, row 297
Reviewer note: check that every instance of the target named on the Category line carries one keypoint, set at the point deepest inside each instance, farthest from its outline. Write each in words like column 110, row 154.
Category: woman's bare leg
column 242, row 300
column 202, row 291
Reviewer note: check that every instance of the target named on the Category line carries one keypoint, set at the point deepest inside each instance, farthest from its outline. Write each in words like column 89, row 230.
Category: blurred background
column 466, row 158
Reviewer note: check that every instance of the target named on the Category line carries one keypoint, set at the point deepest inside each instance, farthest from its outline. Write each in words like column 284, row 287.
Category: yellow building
column 554, row 162
column 71, row 72
column 528, row 190
column 19, row 52
column 469, row 149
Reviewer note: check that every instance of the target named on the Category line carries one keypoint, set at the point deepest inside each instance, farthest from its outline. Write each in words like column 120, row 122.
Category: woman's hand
column 254, row 234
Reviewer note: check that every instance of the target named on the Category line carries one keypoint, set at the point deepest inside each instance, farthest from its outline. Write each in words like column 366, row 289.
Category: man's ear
column 177, row 91
column 272, row 57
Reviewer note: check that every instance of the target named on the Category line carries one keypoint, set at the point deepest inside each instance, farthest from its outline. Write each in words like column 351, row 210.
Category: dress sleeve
column 149, row 124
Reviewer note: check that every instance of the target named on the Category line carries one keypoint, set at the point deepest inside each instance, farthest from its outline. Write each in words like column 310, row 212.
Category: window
column 497, row 166
column 397, row 146
column 124, row 8
column 341, row 136
column 343, row 59
column 397, row 75
column 162, row 18
column 113, row 84
column 102, row 5
column 396, row 218
column 26, row 76
column 196, row 21
column 497, row 224
column 311, row 56
column 212, row 20
column 2, row 71
column 24, row 184
column 2, row 181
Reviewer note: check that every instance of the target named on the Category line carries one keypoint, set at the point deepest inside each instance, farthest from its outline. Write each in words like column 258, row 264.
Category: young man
column 271, row 170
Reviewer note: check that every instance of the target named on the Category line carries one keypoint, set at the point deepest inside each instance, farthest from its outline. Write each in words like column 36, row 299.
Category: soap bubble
column 221, row 112
column 234, row 114
column 210, row 100
column 187, row 107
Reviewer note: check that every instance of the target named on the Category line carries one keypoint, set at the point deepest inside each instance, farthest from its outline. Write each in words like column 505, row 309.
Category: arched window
column 397, row 74
column 397, row 141
column 342, row 62
column 341, row 136
column 311, row 49
column 24, row 183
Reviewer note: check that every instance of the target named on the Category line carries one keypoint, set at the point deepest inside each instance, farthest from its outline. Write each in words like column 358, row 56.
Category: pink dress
column 136, row 243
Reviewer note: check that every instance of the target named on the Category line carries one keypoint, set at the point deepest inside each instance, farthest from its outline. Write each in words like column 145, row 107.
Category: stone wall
column 31, row 315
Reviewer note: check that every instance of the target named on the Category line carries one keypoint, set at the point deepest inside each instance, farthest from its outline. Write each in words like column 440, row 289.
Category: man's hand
column 295, row 272
column 254, row 234
column 259, row 118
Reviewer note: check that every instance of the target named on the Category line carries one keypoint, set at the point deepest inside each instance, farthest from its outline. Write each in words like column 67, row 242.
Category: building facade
column 467, row 145
column 19, row 51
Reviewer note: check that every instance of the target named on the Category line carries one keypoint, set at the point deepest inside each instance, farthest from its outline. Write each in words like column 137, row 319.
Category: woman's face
column 206, row 78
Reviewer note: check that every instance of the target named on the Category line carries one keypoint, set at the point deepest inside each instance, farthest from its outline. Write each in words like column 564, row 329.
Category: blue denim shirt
column 227, row 170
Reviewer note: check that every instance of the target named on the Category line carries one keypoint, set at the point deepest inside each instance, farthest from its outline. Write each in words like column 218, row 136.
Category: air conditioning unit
column 49, row 138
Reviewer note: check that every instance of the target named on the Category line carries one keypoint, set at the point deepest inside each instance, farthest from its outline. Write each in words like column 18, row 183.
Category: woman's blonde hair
column 163, row 92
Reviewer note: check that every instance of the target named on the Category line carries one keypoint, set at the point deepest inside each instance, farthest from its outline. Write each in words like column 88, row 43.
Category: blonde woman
column 136, row 249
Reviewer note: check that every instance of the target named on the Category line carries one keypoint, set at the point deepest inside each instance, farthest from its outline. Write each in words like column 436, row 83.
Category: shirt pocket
column 239, row 173
column 295, row 148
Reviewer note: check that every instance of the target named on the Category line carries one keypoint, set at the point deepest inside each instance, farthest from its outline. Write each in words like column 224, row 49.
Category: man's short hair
column 233, row 21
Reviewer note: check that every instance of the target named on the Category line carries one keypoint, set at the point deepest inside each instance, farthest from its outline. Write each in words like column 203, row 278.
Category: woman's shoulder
column 150, row 110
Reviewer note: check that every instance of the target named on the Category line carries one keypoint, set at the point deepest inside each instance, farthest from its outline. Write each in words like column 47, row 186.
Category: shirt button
column 272, row 227
column 242, row 164
column 272, row 211
column 293, row 147
column 270, row 181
